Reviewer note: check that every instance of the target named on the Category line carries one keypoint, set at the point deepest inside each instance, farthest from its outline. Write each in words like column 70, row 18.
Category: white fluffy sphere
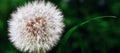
column 36, row 27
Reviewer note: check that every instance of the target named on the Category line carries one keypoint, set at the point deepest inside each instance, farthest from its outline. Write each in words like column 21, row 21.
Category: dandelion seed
column 36, row 27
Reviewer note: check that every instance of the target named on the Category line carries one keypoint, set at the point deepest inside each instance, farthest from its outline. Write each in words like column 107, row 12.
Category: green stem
column 68, row 34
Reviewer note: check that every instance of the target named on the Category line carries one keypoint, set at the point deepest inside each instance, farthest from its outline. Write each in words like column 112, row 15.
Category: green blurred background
column 97, row 36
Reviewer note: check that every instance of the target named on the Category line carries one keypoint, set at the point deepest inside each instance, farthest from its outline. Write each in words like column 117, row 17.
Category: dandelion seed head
column 36, row 26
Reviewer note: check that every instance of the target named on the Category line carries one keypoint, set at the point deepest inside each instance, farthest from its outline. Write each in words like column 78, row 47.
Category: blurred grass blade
column 68, row 34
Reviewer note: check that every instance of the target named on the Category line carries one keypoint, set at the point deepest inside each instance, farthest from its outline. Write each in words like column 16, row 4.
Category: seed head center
column 36, row 25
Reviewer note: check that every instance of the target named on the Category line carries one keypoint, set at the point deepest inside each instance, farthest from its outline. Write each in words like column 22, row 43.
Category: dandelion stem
column 68, row 34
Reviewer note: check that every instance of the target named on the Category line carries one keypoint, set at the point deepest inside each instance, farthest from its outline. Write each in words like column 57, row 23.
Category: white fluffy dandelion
column 36, row 27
